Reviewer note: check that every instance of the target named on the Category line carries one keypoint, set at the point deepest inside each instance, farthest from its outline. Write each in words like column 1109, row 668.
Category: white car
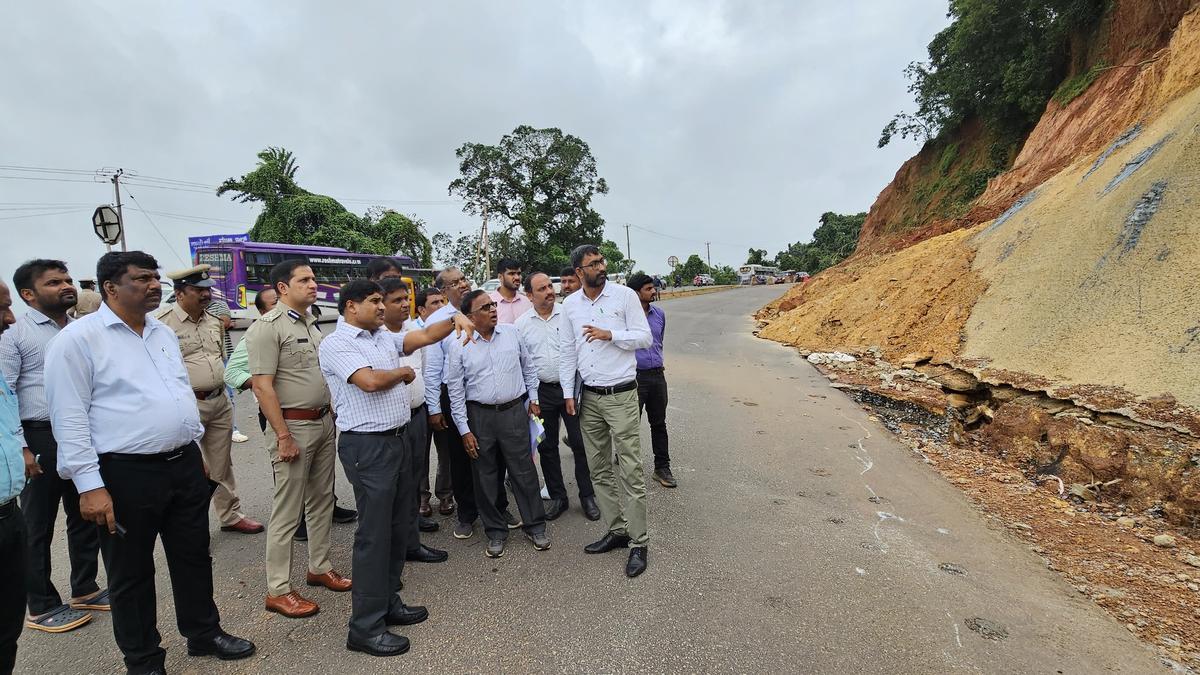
column 490, row 285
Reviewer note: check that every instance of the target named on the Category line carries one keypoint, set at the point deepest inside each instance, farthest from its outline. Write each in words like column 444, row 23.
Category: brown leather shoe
column 245, row 526
column 291, row 605
column 331, row 580
column 425, row 509
column 446, row 507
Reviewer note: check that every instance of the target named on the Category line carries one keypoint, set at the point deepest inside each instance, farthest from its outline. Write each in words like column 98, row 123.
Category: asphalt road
column 801, row 539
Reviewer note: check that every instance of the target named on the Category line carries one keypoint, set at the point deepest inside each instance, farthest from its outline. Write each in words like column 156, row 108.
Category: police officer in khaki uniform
column 200, row 341
column 282, row 348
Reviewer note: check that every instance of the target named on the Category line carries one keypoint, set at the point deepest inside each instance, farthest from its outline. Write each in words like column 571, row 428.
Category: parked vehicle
column 703, row 280
column 242, row 269
column 756, row 274
column 490, row 285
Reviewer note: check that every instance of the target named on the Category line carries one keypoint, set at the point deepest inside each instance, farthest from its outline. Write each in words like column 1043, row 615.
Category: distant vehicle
column 557, row 281
column 242, row 269
column 756, row 274
column 703, row 280
column 490, row 285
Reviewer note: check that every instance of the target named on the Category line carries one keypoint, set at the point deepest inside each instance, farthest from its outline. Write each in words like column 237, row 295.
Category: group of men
column 122, row 417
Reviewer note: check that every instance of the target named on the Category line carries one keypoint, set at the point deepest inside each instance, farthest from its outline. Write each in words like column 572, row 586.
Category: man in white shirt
column 602, row 326
column 396, row 314
column 540, row 333
column 45, row 286
column 489, row 381
column 126, row 423
column 428, row 301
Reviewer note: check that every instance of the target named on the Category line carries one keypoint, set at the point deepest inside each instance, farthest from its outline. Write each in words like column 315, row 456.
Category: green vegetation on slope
column 997, row 61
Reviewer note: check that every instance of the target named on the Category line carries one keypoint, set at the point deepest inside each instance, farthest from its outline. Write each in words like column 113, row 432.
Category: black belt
column 8, row 508
column 169, row 456
column 659, row 369
column 500, row 406
column 35, row 424
column 398, row 431
column 552, row 384
column 615, row 389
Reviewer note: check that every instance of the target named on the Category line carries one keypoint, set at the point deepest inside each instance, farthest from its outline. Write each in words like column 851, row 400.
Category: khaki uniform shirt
column 88, row 302
column 284, row 343
column 200, row 344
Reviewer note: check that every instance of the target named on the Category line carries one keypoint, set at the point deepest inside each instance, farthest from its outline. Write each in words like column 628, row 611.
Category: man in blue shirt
column 489, row 381
column 13, row 472
column 652, row 381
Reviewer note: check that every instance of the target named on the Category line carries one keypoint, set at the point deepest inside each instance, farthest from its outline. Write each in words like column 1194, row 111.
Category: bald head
column 6, row 316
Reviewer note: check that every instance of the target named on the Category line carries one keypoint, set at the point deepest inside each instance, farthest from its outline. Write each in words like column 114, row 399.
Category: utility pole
column 116, row 181
column 482, row 251
column 708, row 252
column 628, row 254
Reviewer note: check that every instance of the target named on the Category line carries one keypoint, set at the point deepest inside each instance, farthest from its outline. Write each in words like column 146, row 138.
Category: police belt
column 207, row 395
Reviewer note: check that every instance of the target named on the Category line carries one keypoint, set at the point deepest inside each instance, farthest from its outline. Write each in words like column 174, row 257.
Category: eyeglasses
column 596, row 264
column 485, row 308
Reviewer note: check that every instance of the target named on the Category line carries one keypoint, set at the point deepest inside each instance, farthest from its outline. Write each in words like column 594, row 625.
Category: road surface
column 801, row 539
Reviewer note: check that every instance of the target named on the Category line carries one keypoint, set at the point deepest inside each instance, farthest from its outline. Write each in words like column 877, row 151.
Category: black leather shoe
column 405, row 615
column 384, row 644
column 637, row 561
column 608, row 543
column 555, row 508
column 222, row 645
column 665, row 478
column 341, row 515
column 589, row 508
column 426, row 524
column 426, row 554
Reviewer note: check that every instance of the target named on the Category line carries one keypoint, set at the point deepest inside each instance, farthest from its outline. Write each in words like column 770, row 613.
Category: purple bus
column 242, row 269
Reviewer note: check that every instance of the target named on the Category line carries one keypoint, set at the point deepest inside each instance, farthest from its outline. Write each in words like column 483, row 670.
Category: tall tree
column 536, row 186
column 293, row 215
column 758, row 256
column 833, row 241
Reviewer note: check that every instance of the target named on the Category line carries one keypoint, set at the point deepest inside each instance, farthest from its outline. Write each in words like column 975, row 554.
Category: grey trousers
column 503, row 435
column 416, row 441
column 380, row 470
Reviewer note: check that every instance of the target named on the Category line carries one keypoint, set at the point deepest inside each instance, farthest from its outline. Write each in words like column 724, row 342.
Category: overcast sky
column 735, row 123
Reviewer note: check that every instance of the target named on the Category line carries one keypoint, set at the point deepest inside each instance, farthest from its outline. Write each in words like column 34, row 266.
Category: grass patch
column 1072, row 87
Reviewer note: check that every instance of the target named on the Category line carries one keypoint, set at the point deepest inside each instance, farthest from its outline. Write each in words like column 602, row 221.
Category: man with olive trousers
column 602, row 327
column 291, row 392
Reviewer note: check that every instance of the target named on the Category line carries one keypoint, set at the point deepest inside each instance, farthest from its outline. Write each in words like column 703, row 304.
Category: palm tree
column 273, row 179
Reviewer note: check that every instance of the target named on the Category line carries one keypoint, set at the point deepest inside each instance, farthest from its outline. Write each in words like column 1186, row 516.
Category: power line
column 40, row 215
column 56, row 180
column 687, row 239
column 160, row 234
column 135, row 181
column 43, row 169
column 200, row 219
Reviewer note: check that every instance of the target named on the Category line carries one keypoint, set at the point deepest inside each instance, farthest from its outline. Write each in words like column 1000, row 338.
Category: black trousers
column 416, row 443
column 155, row 498
column 503, row 435
column 14, row 559
column 462, row 476
column 380, row 469
column 550, row 398
column 652, row 396
column 39, row 503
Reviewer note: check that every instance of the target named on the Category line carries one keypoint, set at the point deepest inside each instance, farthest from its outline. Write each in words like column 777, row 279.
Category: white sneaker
column 239, row 437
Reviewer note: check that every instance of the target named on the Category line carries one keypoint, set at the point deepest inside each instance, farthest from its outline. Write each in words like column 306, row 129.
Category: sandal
column 59, row 620
column 98, row 602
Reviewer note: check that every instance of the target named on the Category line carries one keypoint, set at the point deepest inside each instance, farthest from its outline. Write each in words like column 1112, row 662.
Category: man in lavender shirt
column 651, row 381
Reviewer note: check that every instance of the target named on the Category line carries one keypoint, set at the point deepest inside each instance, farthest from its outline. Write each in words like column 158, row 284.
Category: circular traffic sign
column 673, row 261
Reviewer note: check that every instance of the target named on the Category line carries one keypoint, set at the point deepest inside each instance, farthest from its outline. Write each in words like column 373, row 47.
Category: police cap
column 193, row 276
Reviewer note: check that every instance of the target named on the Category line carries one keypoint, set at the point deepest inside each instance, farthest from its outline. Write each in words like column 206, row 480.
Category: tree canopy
column 834, row 240
column 1000, row 61
column 293, row 215
column 536, row 186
